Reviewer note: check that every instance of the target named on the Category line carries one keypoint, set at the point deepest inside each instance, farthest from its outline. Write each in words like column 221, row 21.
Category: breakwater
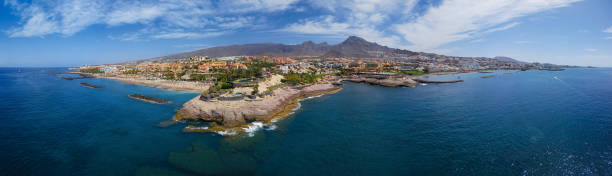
column 488, row 76
column 387, row 82
column 149, row 99
column 91, row 85
column 437, row 82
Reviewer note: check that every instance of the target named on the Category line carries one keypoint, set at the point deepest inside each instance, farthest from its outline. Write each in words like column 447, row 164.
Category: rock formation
column 236, row 113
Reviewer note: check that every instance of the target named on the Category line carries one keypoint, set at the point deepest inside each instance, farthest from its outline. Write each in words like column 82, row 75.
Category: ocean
column 516, row 123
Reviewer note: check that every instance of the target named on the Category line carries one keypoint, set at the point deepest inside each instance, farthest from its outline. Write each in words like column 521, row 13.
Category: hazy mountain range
column 353, row 47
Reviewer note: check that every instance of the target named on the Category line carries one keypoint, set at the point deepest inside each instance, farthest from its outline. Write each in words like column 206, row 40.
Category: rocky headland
column 231, row 116
column 388, row 82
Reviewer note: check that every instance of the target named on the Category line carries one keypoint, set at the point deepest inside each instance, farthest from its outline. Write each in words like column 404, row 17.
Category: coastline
column 232, row 118
column 244, row 116
column 186, row 86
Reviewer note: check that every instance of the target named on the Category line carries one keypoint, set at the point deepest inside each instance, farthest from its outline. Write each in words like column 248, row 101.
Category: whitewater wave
column 271, row 127
column 227, row 133
column 253, row 127
column 311, row 97
column 200, row 128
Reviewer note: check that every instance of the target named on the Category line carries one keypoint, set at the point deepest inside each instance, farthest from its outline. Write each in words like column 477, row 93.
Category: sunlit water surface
column 516, row 123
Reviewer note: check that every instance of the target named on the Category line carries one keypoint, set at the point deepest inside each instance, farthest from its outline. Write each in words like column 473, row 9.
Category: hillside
column 352, row 47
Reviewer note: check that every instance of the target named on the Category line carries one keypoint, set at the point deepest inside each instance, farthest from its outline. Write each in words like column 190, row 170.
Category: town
column 235, row 71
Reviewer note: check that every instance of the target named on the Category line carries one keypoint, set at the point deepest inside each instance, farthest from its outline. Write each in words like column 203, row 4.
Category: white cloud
column 608, row 38
column 452, row 20
column 501, row 28
column 324, row 25
column 257, row 5
column 456, row 20
column 36, row 25
column 364, row 18
column 609, row 30
column 40, row 18
column 189, row 35
column 590, row 49
column 388, row 22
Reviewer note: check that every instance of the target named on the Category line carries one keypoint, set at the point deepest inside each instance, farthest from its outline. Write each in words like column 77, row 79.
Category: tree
column 212, row 89
column 255, row 89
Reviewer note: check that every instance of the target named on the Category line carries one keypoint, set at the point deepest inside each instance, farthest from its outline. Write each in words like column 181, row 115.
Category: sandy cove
column 233, row 115
column 187, row 86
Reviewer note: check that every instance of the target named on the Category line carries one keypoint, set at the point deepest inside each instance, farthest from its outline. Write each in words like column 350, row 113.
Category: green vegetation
column 168, row 75
column 224, row 85
column 254, row 70
column 255, row 89
column 211, row 89
column 197, row 77
column 173, row 75
column 269, row 89
column 179, row 75
column 132, row 72
column 344, row 72
column 225, row 77
column 91, row 70
column 299, row 78
column 413, row 72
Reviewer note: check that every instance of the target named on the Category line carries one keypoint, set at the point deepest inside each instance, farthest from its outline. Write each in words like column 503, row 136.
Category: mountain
column 507, row 59
column 352, row 47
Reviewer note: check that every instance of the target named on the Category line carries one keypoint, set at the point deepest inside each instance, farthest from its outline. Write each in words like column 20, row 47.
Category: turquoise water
column 524, row 123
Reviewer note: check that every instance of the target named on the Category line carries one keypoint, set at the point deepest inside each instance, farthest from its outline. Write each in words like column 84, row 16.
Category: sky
column 56, row 33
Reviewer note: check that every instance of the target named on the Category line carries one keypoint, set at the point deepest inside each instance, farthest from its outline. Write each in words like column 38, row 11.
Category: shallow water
column 524, row 123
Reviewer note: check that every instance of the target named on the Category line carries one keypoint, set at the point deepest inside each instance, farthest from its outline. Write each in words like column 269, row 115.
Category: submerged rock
column 166, row 123
column 158, row 171
column 203, row 160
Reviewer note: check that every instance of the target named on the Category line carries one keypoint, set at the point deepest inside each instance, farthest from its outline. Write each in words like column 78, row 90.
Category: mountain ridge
column 353, row 47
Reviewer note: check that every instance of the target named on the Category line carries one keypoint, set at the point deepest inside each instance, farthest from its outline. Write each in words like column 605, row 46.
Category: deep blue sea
column 517, row 123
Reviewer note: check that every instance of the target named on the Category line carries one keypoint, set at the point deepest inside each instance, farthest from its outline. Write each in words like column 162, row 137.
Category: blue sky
column 78, row 32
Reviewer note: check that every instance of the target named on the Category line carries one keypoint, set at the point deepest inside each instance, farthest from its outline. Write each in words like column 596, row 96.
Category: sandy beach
column 188, row 86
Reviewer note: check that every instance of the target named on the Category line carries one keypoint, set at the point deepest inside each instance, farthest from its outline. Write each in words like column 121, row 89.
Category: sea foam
column 252, row 128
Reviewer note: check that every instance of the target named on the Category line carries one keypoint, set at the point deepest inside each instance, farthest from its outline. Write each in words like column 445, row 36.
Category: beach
column 188, row 86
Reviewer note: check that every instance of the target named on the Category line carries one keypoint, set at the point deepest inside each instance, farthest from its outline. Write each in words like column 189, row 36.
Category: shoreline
column 185, row 86
column 228, row 120
column 227, row 117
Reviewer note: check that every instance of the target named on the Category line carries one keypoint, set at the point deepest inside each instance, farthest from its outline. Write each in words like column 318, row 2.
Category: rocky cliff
column 236, row 113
